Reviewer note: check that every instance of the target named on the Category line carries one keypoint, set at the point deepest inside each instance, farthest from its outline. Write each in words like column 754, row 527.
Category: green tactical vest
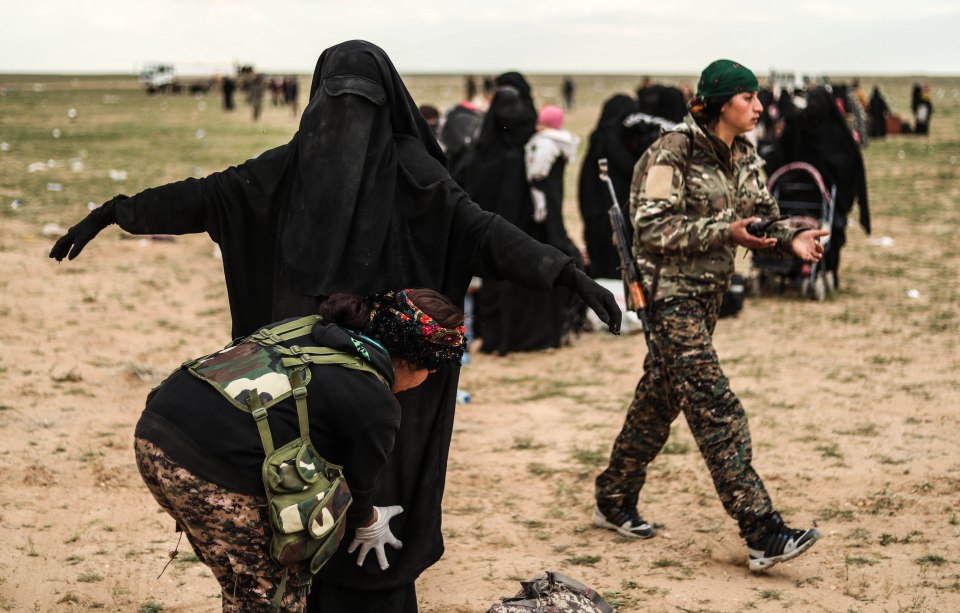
column 307, row 497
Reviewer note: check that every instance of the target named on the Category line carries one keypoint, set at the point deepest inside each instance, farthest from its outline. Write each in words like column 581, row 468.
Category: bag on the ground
column 551, row 592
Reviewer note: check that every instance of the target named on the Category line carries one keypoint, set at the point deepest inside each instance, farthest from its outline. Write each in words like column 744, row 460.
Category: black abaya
column 360, row 201
column 819, row 135
column 609, row 140
column 509, row 317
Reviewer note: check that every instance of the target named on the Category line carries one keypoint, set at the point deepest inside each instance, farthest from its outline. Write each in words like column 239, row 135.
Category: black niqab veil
column 352, row 168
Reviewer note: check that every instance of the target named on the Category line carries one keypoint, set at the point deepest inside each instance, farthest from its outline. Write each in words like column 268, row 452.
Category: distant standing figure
column 923, row 111
column 878, row 111
column 276, row 89
column 510, row 317
column 470, row 87
column 547, row 154
column 291, row 91
column 229, row 86
column 607, row 141
column 568, row 90
column 255, row 96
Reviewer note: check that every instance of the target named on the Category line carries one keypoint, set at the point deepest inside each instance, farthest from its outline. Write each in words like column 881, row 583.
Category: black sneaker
column 623, row 519
column 779, row 544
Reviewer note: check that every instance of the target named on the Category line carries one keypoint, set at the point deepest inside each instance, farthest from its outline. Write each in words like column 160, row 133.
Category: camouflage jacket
column 683, row 219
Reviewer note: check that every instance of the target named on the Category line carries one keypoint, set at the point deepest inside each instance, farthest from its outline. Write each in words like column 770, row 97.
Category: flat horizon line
column 423, row 73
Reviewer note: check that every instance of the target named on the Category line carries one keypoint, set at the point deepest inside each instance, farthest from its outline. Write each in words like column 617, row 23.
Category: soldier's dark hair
column 710, row 112
column 347, row 310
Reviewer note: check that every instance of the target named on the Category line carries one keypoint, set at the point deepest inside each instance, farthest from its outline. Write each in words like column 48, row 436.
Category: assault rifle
column 632, row 286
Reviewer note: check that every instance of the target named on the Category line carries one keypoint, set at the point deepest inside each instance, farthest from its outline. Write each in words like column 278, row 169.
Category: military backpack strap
column 300, row 397
column 259, row 414
column 285, row 331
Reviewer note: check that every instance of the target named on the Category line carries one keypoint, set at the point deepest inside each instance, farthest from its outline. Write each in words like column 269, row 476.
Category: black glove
column 79, row 235
column 598, row 298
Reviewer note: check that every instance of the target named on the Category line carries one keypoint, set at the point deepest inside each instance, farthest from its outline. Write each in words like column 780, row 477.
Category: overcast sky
column 846, row 37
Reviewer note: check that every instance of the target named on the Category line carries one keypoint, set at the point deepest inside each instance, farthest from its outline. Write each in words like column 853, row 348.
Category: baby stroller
column 802, row 196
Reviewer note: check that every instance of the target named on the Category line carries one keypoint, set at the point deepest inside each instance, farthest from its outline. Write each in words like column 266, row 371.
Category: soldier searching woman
column 201, row 451
column 358, row 201
column 694, row 192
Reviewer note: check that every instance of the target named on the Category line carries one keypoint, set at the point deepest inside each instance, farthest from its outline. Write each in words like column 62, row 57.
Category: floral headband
column 412, row 334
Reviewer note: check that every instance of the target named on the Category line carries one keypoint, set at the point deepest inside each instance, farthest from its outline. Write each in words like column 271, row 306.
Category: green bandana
column 725, row 78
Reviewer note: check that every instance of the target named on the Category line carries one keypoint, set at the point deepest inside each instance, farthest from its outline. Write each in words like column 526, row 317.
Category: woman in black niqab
column 609, row 140
column 507, row 316
column 819, row 135
column 359, row 111
column 359, row 200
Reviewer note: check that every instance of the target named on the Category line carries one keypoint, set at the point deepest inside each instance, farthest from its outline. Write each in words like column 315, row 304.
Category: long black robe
column 819, row 135
column 358, row 200
column 608, row 140
column 878, row 110
column 509, row 316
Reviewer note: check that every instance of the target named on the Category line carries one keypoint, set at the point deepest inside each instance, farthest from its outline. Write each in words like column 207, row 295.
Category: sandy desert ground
column 853, row 402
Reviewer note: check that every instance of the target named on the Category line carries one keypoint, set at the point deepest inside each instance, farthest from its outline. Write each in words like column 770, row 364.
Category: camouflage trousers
column 683, row 329
column 229, row 532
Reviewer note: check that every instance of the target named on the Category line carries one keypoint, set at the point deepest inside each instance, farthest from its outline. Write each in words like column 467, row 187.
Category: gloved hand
column 376, row 535
column 597, row 297
column 79, row 235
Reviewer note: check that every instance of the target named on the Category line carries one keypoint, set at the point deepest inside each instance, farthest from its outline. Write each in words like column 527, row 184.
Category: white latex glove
column 376, row 535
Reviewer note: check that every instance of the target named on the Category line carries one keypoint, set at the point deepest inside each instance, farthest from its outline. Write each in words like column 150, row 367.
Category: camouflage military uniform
column 229, row 532
column 681, row 212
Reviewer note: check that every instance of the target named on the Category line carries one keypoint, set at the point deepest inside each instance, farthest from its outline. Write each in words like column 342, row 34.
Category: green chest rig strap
column 307, row 497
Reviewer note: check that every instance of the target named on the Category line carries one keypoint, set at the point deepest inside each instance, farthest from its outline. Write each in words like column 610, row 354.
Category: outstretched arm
column 506, row 252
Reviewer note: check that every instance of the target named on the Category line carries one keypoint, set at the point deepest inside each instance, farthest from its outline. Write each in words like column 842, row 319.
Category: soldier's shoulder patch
column 659, row 182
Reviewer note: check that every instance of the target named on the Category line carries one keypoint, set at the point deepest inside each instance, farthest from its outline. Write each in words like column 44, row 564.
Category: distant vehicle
column 174, row 78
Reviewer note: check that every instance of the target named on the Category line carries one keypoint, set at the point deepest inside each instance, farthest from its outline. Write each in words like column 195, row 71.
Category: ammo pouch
column 307, row 497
